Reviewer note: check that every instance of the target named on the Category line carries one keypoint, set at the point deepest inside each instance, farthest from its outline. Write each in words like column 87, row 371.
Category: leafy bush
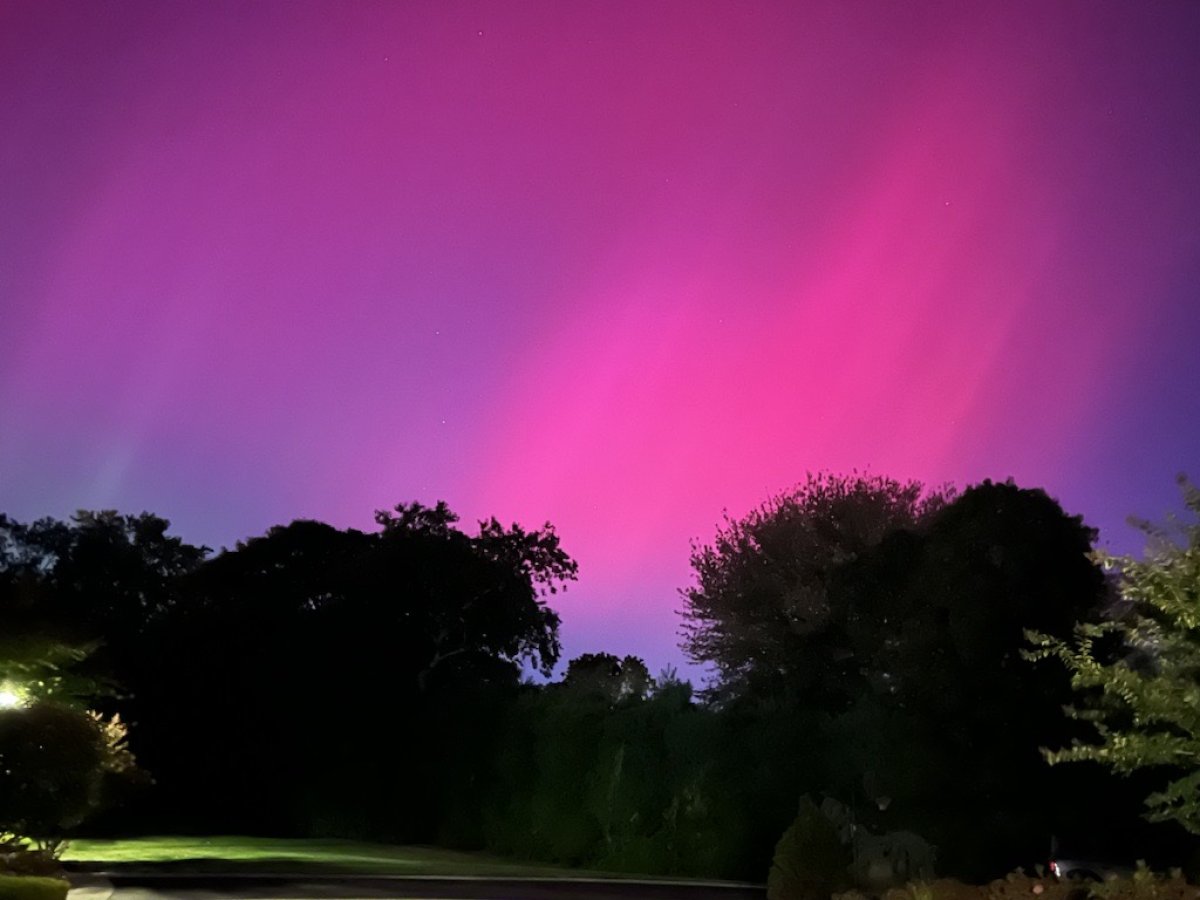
column 1142, row 701
column 1146, row 885
column 1142, row 885
column 886, row 859
column 1017, row 886
column 19, row 857
column 51, row 766
column 811, row 861
column 13, row 887
column 827, row 847
column 54, row 763
column 1021, row 886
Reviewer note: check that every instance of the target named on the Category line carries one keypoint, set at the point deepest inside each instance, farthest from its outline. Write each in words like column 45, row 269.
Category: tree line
column 867, row 639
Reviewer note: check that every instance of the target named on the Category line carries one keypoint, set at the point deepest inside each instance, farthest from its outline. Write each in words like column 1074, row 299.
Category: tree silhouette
column 760, row 610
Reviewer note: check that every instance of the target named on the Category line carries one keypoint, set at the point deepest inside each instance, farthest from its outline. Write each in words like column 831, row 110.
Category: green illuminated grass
column 252, row 854
column 14, row 887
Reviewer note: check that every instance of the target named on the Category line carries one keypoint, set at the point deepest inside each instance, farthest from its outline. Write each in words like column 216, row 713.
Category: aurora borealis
column 615, row 265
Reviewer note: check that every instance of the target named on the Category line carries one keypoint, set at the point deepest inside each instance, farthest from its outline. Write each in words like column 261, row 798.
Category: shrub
column 1146, row 885
column 811, row 861
column 51, row 767
column 1143, row 885
column 1022, row 886
column 19, row 857
column 55, row 763
column 13, row 887
column 882, row 860
column 1016, row 886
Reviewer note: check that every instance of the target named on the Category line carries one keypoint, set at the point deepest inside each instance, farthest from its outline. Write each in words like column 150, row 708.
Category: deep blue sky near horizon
column 613, row 266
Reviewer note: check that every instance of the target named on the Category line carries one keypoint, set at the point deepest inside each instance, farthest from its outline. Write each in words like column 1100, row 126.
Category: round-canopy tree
column 760, row 611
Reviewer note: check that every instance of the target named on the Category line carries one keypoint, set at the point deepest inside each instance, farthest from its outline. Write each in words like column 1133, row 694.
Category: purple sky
column 616, row 265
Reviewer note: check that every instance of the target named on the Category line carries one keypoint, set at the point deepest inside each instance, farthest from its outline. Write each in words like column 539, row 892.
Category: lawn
column 274, row 855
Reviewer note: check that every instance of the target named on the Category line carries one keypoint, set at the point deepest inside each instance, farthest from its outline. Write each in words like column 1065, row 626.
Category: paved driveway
column 342, row 887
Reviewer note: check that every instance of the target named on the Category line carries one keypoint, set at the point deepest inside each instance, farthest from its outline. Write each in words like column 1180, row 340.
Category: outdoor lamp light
column 10, row 699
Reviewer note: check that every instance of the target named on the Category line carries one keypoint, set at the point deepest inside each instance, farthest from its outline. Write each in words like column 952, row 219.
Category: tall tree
column 760, row 610
column 937, row 624
column 940, row 617
column 886, row 626
column 370, row 631
column 609, row 677
column 473, row 596
column 101, row 576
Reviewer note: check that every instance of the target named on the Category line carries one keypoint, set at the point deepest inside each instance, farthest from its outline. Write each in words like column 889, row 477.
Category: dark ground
column 131, row 885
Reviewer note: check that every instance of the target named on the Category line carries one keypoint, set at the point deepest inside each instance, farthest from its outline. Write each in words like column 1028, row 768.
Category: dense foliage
column 864, row 636
column 1137, row 675
column 58, row 760
column 53, row 760
column 887, row 629
column 760, row 610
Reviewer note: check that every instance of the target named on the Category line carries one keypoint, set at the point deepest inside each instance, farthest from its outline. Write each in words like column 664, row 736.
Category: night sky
column 616, row 265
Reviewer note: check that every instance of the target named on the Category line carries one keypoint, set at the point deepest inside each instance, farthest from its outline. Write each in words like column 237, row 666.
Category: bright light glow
column 10, row 700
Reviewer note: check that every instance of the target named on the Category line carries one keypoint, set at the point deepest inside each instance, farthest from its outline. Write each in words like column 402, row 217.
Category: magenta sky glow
column 615, row 265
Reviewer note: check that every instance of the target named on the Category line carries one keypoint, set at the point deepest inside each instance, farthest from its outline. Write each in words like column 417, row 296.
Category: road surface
column 131, row 886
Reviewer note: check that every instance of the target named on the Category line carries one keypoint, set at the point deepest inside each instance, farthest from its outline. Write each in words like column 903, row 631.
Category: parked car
column 1085, row 864
column 1087, row 870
